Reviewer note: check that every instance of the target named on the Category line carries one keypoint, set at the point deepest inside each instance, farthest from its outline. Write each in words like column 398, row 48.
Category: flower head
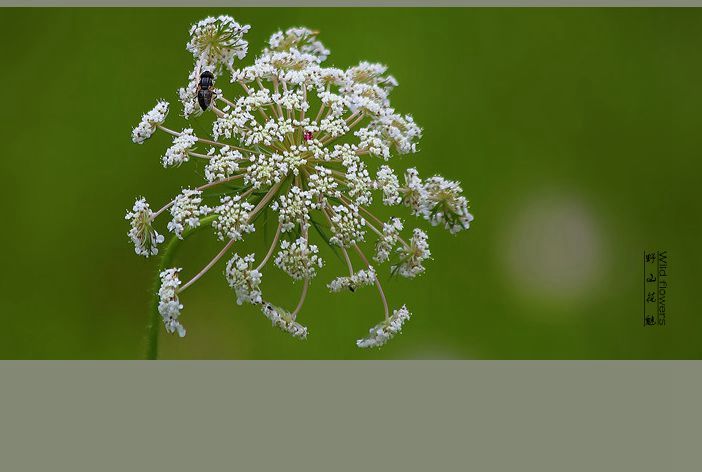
column 352, row 282
column 413, row 255
column 145, row 238
column 307, row 148
column 169, row 305
column 387, row 242
column 387, row 181
column 149, row 122
column 244, row 279
column 298, row 259
column 222, row 164
column 347, row 226
column 216, row 42
column 414, row 193
column 445, row 205
column 384, row 331
column 303, row 40
column 232, row 218
column 186, row 211
column 283, row 320
column 294, row 208
column 178, row 153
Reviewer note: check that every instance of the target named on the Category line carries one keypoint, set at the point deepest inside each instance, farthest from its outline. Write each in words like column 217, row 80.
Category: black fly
column 204, row 90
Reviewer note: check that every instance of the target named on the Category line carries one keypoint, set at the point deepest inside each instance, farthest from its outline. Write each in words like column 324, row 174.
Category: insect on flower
column 204, row 91
column 309, row 142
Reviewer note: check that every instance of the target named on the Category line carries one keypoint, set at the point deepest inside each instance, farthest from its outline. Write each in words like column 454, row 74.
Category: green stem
column 154, row 323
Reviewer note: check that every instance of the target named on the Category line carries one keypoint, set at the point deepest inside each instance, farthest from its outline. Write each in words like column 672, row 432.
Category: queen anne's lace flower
column 352, row 282
column 347, row 226
column 298, row 259
column 244, row 279
column 149, row 122
column 283, row 320
column 384, row 331
column 169, row 305
column 445, row 204
column 401, row 132
column 179, row 151
column 265, row 170
column 387, row 242
column 322, row 185
column 222, row 164
column 372, row 143
column 386, row 180
column 186, row 211
column 232, row 218
column 414, row 195
column 216, row 42
column 359, row 181
column 414, row 255
column 145, row 238
column 292, row 140
column 294, row 209
column 300, row 39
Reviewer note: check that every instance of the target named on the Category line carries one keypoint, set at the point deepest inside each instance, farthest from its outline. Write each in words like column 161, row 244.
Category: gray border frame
column 380, row 415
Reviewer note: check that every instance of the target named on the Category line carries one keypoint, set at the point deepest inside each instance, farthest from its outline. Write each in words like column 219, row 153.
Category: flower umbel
column 301, row 146
column 169, row 305
column 144, row 236
column 384, row 331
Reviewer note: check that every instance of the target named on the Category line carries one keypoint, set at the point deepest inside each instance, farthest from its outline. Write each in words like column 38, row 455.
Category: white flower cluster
column 387, row 242
column 322, row 185
column 371, row 142
column 413, row 255
column 384, row 331
column 169, row 305
column 244, row 279
column 283, row 320
column 222, row 164
column 186, row 211
column 347, row 226
column 298, row 137
column 294, row 209
column 265, row 170
column 216, row 42
column 352, row 282
column 149, row 122
column 145, row 238
column 303, row 39
column 387, row 181
column 445, row 205
column 298, row 259
column 438, row 200
column 178, row 153
column 414, row 193
column 233, row 218
column 401, row 131
column 359, row 181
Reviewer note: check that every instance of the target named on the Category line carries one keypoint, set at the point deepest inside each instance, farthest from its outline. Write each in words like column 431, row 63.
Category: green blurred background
column 575, row 134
